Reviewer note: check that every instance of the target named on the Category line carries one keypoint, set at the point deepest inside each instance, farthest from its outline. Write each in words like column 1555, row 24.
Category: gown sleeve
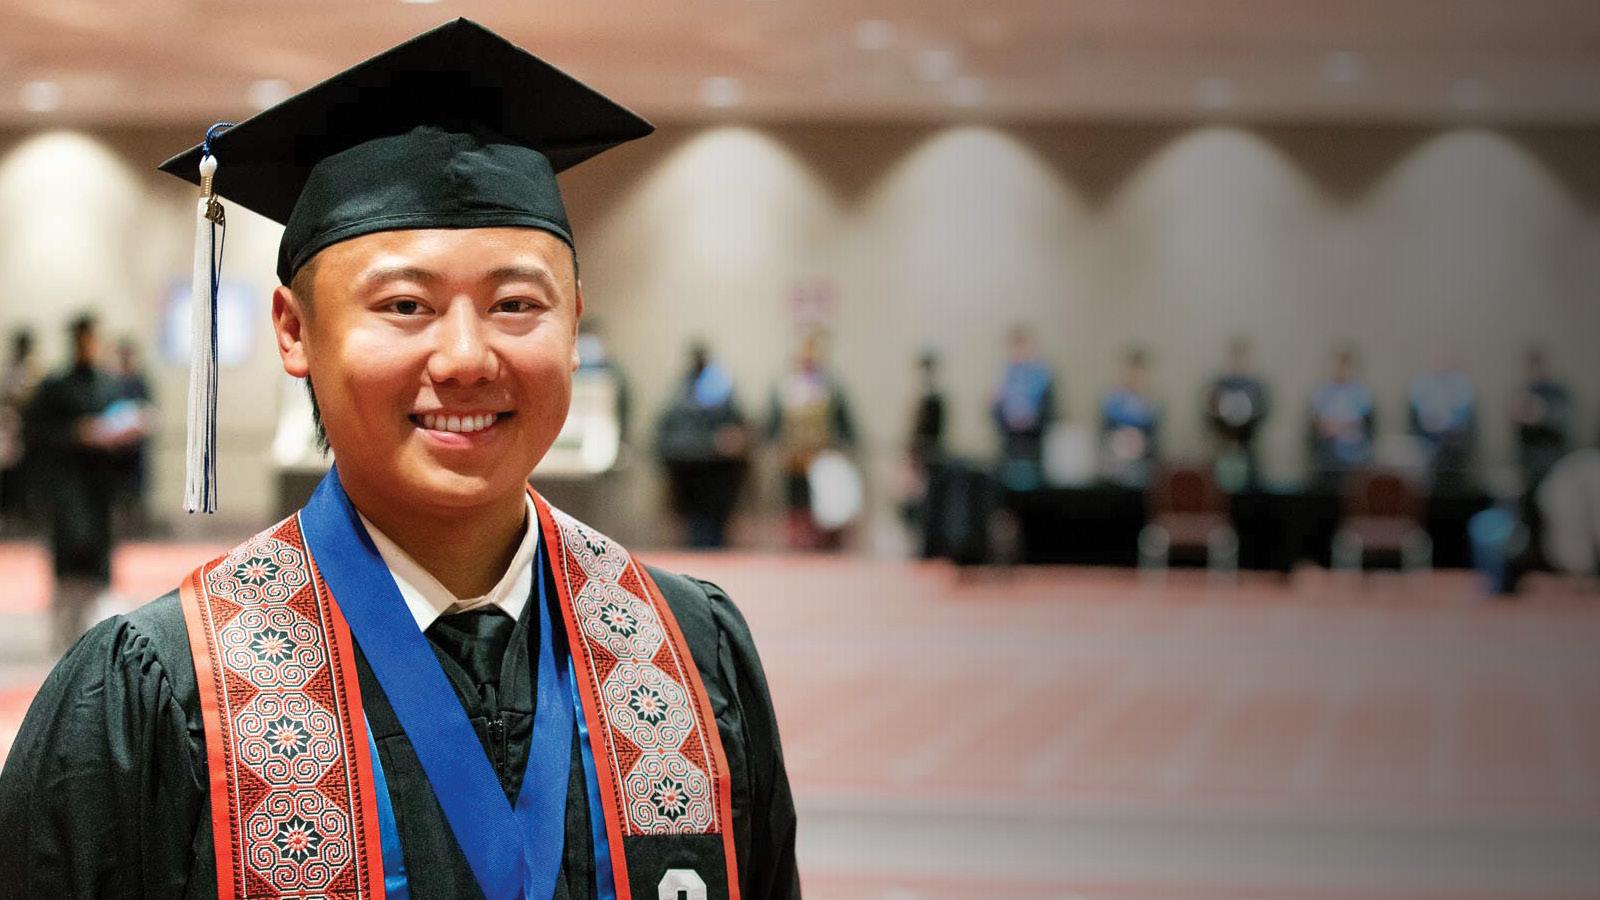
column 102, row 794
column 767, row 867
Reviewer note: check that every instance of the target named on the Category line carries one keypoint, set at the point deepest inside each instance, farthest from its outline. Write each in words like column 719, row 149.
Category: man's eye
column 514, row 305
column 405, row 307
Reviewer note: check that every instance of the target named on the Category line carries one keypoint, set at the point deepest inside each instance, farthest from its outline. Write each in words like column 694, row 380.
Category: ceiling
column 186, row 61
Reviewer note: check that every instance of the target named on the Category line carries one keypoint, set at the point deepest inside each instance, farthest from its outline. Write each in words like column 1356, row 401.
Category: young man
column 428, row 683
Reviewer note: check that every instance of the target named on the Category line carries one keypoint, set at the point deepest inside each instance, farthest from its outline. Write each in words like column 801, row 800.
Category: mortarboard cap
column 455, row 128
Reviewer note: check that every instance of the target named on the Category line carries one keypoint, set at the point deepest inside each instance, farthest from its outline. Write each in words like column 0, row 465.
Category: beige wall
column 1405, row 242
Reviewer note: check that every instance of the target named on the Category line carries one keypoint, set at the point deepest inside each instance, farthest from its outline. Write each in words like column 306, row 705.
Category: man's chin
column 445, row 489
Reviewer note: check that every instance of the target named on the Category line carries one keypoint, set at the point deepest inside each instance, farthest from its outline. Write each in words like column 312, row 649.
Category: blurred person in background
column 703, row 441
column 927, row 421
column 924, row 448
column 595, row 360
column 809, row 418
column 1236, row 404
column 17, row 385
column 1024, row 408
column 132, row 389
column 1130, row 424
column 1342, row 424
column 1542, row 413
column 79, row 428
column 1443, row 408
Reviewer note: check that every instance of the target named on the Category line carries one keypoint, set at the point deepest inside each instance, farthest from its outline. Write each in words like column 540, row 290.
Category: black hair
column 81, row 325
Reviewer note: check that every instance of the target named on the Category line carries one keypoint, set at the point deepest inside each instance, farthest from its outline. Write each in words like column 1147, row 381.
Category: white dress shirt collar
column 428, row 599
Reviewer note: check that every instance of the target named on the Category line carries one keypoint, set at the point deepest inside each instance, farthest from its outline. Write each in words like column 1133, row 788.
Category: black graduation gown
column 105, row 791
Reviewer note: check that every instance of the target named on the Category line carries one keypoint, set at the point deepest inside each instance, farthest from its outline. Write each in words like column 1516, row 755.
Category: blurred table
column 1100, row 524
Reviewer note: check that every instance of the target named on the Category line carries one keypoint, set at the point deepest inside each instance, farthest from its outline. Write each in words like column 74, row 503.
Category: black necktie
column 477, row 641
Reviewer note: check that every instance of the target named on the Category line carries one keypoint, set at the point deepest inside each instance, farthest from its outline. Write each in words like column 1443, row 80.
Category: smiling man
column 428, row 683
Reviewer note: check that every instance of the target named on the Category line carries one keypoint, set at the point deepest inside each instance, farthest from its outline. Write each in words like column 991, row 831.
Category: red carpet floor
column 1079, row 733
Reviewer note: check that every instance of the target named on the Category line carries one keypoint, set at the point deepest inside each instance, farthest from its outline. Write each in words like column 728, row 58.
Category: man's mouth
column 454, row 423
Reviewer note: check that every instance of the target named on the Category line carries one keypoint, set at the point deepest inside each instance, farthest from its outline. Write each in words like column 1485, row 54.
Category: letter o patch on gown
column 682, row 884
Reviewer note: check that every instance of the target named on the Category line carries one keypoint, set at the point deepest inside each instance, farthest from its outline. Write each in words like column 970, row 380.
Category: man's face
column 1239, row 359
column 86, row 347
column 1018, row 347
column 442, row 358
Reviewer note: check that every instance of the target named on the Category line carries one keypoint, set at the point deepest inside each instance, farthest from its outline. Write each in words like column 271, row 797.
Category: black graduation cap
column 455, row 128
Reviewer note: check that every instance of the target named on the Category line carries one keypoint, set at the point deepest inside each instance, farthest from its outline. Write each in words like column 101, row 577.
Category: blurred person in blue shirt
column 1343, row 422
column 1236, row 405
column 703, row 440
column 1130, row 422
column 132, row 387
column 1024, row 408
column 1443, row 406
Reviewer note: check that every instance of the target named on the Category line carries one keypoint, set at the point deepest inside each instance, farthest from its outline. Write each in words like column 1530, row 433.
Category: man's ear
column 577, row 319
column 289, row 326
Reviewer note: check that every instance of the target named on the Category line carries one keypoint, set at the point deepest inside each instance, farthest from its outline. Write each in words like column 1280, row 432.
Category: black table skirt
column 1099, row 525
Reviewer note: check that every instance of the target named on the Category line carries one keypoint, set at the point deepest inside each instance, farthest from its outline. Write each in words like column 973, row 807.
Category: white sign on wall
column 236, row 316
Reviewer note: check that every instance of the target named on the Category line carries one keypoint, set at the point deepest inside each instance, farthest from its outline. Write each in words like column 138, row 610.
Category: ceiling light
column 1214, row 92
column 874, row 34
column 41, row 96
column 721, row 92
column 1467, row 93
column 269, row 92
column 967, row 91
column 935, row 64
column 1343, row 67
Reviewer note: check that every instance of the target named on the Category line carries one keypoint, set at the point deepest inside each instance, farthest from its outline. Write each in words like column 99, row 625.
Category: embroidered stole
column 293, row 808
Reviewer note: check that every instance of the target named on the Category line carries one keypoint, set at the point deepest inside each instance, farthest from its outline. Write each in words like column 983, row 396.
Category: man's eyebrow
column 379, row 276
column 524, row 273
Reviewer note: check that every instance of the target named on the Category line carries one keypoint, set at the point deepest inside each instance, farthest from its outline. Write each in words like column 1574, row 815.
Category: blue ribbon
column 396, row 885
column 605, row 881
column 514, row 852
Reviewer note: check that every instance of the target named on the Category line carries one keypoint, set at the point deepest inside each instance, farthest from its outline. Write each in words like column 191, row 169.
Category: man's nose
column 462, row 354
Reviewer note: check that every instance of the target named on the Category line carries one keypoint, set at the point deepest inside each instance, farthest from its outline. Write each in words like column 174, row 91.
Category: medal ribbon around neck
column 514, row 851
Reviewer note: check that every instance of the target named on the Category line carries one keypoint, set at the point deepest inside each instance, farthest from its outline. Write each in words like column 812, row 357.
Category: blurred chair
column 1188, row 510
column 1383, row 513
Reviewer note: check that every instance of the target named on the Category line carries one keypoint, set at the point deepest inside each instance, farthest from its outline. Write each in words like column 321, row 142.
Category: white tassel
column 200, row 485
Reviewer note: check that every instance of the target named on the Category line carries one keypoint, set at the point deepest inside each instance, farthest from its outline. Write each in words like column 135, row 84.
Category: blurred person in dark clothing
column 1542, row 413
column 78, row 427
column 1236, row 405
column 925, row 449
column 132, row 391
column 17, row 385
column 703, row 441
column 1443, row 407
column 1130, row 423
column 1024, row 408
column 1342, row 424
column 809, row 415
column 927, row 425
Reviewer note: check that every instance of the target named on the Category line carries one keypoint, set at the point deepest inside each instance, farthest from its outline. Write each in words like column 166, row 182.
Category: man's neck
column 467, row 551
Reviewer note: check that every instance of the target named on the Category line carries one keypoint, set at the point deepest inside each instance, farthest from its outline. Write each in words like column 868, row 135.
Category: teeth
column 457, row 424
